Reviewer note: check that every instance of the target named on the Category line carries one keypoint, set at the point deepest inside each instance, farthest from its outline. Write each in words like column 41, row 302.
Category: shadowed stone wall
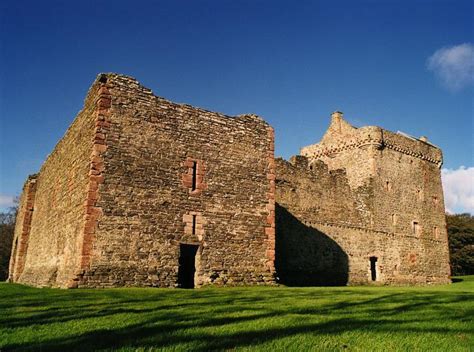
column 305, row 256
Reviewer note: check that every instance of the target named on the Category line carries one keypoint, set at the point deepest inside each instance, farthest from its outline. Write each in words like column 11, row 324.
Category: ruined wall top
column 342, row 136
column 123, row 83
column 119, row 82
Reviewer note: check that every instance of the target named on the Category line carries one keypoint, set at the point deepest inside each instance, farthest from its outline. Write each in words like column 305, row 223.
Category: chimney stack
column 336, row 120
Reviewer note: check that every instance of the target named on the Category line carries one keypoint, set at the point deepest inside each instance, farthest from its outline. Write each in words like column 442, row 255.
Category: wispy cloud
column 6, row 201
column 454, row 66
column 459, row 189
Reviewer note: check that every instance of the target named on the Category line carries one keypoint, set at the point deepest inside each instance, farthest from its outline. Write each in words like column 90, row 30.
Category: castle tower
column 393, row 227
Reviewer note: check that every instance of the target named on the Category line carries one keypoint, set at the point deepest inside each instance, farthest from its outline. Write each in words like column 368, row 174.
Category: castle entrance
column 373, row 268
column 187, row 265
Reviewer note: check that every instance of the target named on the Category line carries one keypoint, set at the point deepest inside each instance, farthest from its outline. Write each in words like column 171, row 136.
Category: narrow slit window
column 194, row 225
column 436, row 232
column 416, row 228
column 419, row 194
column 193, row 186
column 394, row 219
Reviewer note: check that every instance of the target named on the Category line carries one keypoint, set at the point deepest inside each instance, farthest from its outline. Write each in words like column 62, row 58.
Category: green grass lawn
column 435, row 318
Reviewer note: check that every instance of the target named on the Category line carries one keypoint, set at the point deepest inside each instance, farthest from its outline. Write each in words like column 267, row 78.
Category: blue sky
column 292, row 63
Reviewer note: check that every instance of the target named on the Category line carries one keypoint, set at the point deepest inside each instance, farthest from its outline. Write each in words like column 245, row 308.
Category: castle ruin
column 141, row 191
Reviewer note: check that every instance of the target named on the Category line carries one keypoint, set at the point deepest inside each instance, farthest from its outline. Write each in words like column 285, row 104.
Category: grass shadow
column 223, row 319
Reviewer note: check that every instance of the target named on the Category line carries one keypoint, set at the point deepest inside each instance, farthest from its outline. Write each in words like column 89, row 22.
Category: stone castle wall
column 309, row 197
column 147, row 203
column 138, row 180
column 324, row 236
column 411, row 205
column 58, row 213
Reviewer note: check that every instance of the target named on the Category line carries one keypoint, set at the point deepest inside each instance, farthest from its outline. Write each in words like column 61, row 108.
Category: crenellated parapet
column 338, row 140
column 361, row 137
column 417, row 148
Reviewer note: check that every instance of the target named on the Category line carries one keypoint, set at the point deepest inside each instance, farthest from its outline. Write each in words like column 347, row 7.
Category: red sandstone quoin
column 145, row 192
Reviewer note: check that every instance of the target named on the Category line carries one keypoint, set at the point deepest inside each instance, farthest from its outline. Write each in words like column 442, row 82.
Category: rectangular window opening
column 373, row 268
column 193, row 186
column 436, row 232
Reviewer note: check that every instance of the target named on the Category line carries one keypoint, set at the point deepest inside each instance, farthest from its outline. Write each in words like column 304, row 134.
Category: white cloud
column 6, row 201
column 458, row 188
column 454, row 66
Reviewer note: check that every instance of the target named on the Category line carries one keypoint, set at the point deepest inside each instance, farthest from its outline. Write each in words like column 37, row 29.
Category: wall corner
column 22, row 229
column 270, row 220
column 92, row 211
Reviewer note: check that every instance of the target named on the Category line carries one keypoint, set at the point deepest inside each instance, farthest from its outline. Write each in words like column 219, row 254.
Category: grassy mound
column 436, row 318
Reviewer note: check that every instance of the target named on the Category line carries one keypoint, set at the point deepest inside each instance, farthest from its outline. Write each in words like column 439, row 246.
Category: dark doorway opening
column 187, row 265
column 373, row 268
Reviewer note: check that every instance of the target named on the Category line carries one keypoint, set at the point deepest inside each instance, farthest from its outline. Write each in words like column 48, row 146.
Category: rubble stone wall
column 147, row 198
column 410, row 204
column 57, row 221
